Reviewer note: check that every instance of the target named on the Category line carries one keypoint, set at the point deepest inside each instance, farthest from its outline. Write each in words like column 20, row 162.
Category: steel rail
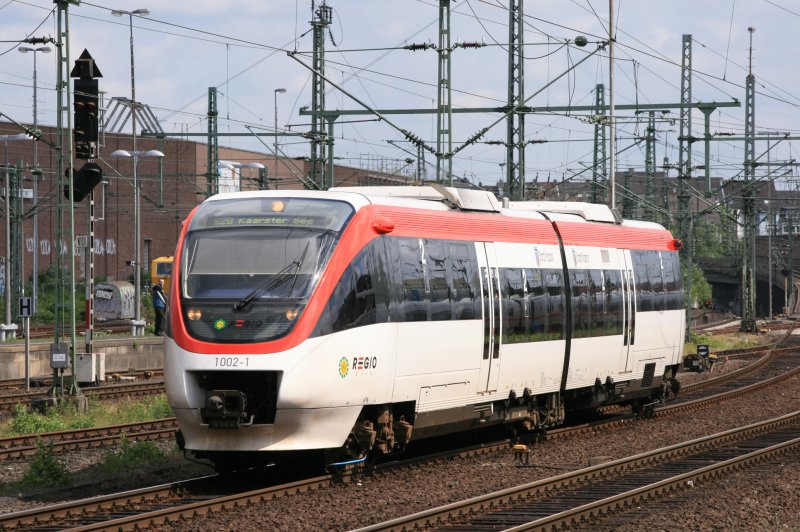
column 15, row 447
column 177, row 510
column 7, row 402
column 453, row 513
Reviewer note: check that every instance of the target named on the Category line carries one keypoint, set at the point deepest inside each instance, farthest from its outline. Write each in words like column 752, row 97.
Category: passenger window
column 555, row 303
column 414, row 298
column 436, row 264
column 580, row 304
column 463, row 279
column 597, row 303
column 537, row 303
column 613, row 296
column 515, row 305
column 656, row 281
column 352, row 303
column 644, row 292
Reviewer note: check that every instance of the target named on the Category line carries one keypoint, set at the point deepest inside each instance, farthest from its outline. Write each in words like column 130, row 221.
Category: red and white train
column 353, row 320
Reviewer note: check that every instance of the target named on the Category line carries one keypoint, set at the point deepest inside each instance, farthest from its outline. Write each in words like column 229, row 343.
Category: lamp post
column 8, row 327
column 36, row 174
column 275, row 97
column 138, row 13
column 137, row 326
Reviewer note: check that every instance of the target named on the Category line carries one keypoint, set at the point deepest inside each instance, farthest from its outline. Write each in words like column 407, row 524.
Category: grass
column 47, row 470
column 721, row 342
column 66, row 417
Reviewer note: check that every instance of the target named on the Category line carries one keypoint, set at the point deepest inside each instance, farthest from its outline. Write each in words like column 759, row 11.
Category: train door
column 492, row 316
column 628, row 289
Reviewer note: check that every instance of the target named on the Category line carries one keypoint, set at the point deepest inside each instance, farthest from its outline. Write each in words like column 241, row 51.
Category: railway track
column 172, row 502
column 16, row 447
column 584, row 495
column 112, row 391
column 18, row 384
column 23, row 446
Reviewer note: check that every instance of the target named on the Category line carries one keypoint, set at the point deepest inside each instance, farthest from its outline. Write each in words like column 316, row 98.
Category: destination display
column 269, row 219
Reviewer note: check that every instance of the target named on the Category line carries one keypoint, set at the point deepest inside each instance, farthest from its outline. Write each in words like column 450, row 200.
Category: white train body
column 409, row 310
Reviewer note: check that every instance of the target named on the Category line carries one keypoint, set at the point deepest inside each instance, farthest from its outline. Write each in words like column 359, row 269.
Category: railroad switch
column 522, row 453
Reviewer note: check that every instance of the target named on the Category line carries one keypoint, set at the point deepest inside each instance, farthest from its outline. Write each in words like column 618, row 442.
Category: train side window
column 352, row 303
column 613, row 281
column 679, row 301
column 554, row 282
column 581, row 314
column 364, row 312
column 644, row 293
column 436, row 266
column 414, row 299
column 513, row 293
column 537, row 305
column 379, row 272
column 463, row 277
column 672, row 280
column 656, row 279
column 597, row 303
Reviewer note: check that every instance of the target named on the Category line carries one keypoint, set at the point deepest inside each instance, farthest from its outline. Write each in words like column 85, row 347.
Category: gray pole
column 8, row 237
column 137, row 325
column 138, row 328
column 612, row 126
column 275, row 150
column 36, row 174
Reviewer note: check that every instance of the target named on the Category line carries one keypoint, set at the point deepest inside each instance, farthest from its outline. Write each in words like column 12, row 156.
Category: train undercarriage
column 386, row 430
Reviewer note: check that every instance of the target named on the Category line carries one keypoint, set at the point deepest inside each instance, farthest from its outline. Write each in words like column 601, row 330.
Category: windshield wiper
column 281, row 277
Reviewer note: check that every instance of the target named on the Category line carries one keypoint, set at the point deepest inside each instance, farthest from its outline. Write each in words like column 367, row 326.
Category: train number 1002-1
column 231, row 362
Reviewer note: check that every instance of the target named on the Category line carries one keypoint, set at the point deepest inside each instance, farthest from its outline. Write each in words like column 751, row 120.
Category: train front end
column 241, row 374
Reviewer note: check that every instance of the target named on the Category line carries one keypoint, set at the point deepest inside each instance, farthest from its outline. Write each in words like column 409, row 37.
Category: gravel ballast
column 765, row 499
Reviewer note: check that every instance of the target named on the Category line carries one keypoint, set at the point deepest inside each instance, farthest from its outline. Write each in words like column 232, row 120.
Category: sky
column 240, row 47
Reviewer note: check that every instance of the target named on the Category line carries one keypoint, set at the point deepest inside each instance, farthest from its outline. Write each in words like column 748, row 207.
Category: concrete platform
column 122, row 353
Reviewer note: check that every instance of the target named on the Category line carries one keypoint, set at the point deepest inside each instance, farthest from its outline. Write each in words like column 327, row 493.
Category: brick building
column 170, row 188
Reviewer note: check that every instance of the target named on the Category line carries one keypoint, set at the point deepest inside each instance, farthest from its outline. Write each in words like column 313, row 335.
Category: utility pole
column 650, row 166
column 627, row 200
column 612, row 125
column 599, row 169
column 212, row 176
column 748, row 202
column 444, row 114
column 324, row 15
column 515, row 134
column 685, row 168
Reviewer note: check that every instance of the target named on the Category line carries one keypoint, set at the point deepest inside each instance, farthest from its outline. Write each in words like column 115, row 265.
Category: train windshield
column 249, row 265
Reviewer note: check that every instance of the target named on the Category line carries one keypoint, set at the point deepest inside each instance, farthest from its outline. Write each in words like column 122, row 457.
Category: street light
column 36, row 174
column 137, row 325
column 138, row 13
column 8, row 327
column 275, row 97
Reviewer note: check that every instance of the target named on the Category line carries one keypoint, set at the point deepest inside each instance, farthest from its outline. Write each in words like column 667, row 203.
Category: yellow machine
column 161, row 268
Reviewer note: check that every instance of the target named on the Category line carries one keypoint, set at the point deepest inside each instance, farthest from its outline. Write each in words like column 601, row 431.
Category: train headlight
column 194, row 314
column 278, row 206
column 291, row 314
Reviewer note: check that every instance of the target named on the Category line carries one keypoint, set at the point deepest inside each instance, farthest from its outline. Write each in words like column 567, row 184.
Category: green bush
column 25, row 422
column 145, row 409
column 132, row 455
column 45, row 469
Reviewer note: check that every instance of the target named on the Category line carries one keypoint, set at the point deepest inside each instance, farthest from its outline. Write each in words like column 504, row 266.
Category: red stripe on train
column 411, row 222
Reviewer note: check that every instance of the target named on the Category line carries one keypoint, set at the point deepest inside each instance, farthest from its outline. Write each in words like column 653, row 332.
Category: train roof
column 440, row 198
column 446, row 198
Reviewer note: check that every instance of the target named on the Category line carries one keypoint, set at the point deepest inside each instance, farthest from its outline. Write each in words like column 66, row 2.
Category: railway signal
column 83, row 181
column 85, row 106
